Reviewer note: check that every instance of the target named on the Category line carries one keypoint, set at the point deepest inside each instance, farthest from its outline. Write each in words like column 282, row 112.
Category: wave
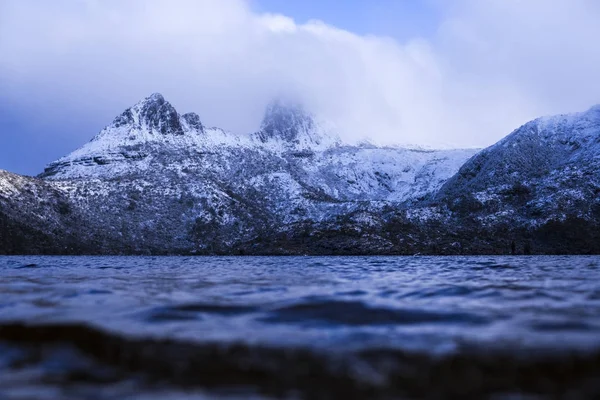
column 470, row 372
column 357, row 313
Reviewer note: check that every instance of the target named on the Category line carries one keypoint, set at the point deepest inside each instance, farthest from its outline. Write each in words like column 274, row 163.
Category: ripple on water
column 352, row 293
column 446, row 291
column 194, row 311
column 356, row 313
column 28, row 266
column 99, row 291
column 563, row 326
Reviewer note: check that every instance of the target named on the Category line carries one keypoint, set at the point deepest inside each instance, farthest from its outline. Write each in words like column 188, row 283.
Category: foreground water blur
column 308, row 327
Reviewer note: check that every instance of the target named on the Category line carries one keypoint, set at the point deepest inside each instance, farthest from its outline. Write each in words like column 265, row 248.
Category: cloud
column 512, row 60
column 492, row 65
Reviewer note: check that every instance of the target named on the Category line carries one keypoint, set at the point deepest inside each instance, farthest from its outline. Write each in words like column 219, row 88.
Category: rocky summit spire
column 153, row 113
column 286, row 121
column 193, row 121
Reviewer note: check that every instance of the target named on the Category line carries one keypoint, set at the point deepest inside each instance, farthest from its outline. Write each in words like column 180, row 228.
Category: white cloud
column 492, row 65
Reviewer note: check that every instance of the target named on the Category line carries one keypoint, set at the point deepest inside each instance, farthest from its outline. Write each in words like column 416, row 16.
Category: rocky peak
column 286, row 121
column 154, row 114
column 193, row 121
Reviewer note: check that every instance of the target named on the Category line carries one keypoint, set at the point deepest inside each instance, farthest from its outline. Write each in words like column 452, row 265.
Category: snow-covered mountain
column 37, row 217
column 541, row 182
column 154, row 170
column 290, row 144
column 551, row 165
column 156, row 181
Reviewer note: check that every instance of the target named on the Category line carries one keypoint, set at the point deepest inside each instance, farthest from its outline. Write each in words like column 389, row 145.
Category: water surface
column 275, row 326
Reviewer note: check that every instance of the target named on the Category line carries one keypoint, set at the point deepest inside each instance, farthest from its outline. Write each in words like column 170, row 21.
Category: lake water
column 299, row 327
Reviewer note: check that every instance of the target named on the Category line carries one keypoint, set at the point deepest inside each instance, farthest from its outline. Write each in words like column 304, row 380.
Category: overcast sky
column 438, row 73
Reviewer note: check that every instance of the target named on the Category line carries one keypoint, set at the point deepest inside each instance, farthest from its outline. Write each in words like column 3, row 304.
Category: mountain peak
column 154, row 114
column 285, row 120
column 156, row 98
column 193, row 121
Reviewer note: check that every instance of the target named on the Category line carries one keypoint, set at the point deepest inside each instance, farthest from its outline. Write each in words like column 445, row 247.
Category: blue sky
column 459, row 73
column 401, row 19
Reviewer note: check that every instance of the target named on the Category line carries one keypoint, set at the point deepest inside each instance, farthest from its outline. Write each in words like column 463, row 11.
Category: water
column 298, row 327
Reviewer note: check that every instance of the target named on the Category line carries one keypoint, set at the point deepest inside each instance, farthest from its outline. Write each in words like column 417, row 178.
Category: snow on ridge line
column 583, row 121
column 153, row 123
column 149, row 128
column 135, row 144
column 592, row 113
column 286, row 126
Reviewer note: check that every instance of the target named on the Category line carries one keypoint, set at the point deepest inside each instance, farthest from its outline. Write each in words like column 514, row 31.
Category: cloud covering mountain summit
column 489, row 66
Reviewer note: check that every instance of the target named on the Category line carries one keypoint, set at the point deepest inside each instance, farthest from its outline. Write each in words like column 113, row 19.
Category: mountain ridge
column 158, row 182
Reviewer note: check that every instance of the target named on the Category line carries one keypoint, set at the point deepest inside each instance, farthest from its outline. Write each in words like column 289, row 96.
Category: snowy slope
column 155, row 181
column 290, row 143
column 547, row 169
column 154, row 170
column 37, row 217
